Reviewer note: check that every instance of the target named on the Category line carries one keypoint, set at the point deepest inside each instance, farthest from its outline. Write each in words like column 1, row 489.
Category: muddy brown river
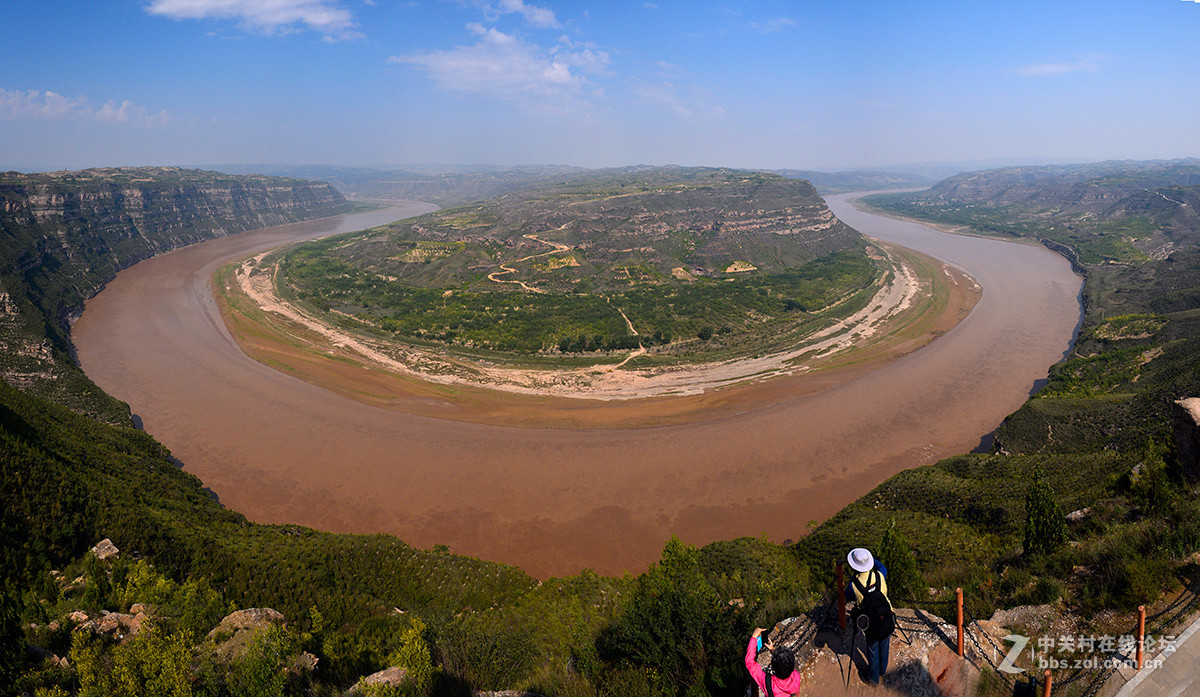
column 554, row 501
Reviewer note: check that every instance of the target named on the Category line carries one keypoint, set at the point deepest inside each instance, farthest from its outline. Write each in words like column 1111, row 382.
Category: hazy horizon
column 767, row 85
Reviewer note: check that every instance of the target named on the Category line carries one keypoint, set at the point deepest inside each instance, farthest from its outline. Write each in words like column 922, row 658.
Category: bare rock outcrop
column 118, row 625
column 251, row 619
column 229, row 640
column 393, row 677
column 105, row 549
column 1186, row 427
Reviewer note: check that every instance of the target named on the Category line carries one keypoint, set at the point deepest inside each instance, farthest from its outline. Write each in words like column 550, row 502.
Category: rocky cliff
column 63, row 235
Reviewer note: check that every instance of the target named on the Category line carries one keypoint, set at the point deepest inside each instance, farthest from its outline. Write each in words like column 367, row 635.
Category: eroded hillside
column 63, row 235
column 1105, row 212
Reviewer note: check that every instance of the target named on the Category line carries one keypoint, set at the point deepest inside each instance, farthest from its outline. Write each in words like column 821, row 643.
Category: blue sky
column 807, row 85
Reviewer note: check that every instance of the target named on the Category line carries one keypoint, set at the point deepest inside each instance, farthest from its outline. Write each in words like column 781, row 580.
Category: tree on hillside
column 12, row 638
column 904, row 578
column 676, row 627
column 1045, row 524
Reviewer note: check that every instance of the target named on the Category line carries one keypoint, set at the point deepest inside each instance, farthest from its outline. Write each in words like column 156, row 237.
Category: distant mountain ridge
column 1088, row 187
column 445, row 185
column 458, row 184
column 858, row 180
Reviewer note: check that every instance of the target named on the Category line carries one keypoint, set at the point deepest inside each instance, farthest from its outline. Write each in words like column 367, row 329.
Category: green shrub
column 153, row 664
column 485, row 656
column 1046, row 589
column 904, row 578
column 676, row 629
column 261, row 670
column 1045, row 525
column 414, row 656
column 12, row 641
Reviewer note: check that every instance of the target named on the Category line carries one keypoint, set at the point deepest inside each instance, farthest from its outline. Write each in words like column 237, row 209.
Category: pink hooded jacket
column 780, row 688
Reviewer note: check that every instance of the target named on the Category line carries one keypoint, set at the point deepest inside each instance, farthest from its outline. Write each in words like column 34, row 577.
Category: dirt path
column 632, row 331
column 506, row 269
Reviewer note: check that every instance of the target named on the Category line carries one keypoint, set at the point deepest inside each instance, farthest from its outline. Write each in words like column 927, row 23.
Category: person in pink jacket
column 785, row 681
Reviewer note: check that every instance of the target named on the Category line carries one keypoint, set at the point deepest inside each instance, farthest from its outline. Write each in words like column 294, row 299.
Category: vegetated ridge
column 1107, row 418
column 1105, row 212
column 445, row 185
column 1098, row 440
column 451, row 185
column 615, row 260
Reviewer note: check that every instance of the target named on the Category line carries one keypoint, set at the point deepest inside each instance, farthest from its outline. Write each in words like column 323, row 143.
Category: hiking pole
column 849, row 663
column 860, row 627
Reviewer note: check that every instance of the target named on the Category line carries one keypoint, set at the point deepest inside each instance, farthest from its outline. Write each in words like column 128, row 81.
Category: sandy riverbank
column 905, row 296
column 917, row 301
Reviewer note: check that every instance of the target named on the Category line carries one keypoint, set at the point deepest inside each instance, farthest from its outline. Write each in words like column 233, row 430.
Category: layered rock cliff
column 63, row 235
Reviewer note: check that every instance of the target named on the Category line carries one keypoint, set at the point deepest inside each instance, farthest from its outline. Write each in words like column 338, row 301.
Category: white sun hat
column 860, row 560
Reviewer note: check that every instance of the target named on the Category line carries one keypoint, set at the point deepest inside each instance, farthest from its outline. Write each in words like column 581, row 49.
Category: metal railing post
column 1141, row 638
column 959, row 601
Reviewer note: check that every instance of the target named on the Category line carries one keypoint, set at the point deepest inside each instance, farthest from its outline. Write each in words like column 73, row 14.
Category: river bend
column 281, row 450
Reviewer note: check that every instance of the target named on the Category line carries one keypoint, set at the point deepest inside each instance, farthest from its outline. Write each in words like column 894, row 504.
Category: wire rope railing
column 975, row 643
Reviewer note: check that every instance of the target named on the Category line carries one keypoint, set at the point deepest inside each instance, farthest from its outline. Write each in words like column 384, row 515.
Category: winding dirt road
column 557, row 500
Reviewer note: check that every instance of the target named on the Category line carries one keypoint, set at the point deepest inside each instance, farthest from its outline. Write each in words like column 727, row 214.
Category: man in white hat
column 873, row 609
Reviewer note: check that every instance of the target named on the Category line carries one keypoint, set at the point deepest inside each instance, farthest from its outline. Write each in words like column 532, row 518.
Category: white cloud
column 773, row 26
column 267, row 16
column 502, row 65
column 128, row 112
column 669, row 70
column 537, row 16
column 36, row 104
column 685, row 102
column 541, row 17
column 1085, row 64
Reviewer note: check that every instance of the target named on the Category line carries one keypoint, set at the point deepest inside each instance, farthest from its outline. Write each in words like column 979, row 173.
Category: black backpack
column 874, row 614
